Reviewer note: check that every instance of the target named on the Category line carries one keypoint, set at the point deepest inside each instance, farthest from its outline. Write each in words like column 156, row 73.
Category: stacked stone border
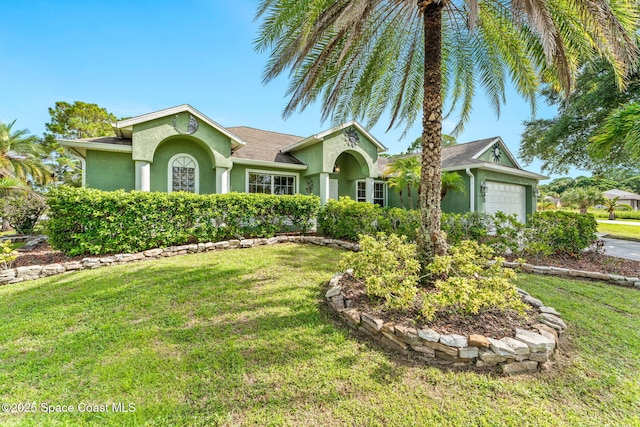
column 32, row 272
column 20, row 274
column 530, row 351
column 578, row 274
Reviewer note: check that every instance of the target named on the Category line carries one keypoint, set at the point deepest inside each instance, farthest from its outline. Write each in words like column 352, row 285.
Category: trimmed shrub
column 348, row 219
column 88, row 221
column 559, row 232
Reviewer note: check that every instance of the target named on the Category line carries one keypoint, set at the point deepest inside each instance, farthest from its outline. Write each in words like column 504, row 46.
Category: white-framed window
column 361, row 191
column 183, row 174
column 379, row 192
column 271, row 182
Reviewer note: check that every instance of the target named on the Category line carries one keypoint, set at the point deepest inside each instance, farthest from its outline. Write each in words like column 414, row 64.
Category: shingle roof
column 456, row 155
column 462, row 154
column 264, row 145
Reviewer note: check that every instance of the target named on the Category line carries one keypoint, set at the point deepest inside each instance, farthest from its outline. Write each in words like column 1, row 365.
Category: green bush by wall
column 547, row 232
column 88, row 221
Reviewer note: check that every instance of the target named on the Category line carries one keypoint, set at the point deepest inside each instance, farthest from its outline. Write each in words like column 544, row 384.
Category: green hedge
column 87, row 221
column 347, row 219
column 620, row 214
column 546, row 232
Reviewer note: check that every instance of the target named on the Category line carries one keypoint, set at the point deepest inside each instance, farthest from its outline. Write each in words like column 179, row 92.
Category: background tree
column 364, row 57
column 73, row 121
column 451, row 181
column 404, row 173
column 563, row 141
column 582, row 198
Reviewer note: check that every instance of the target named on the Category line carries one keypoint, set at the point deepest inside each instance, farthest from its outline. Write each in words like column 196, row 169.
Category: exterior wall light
column 484, row 188
column 336, row 168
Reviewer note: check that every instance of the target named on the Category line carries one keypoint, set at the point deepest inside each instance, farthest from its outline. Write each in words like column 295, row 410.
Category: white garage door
column 508, row 198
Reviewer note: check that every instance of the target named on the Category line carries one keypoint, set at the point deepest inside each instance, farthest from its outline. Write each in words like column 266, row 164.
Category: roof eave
column 126, row 126
column 497, row 168
column 98, row 146
column 264, row 163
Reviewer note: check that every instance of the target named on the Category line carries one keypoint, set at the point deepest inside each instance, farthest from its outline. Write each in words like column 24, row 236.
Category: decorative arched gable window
column 183, row 174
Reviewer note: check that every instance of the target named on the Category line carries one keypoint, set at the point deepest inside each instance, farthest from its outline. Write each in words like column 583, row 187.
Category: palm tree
column 611, row 205
column 404, row 172
column 619, row 134
column 9, row 184
column 362, row 58
column 451, row 181
column 21, row 155
column 582, row 198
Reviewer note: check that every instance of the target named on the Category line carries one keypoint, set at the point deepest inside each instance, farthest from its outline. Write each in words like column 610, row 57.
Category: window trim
column 170, row 172
column 273, row 173
column 385, row 191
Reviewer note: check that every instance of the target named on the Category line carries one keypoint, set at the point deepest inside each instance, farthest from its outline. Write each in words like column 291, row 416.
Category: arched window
column 183, row 174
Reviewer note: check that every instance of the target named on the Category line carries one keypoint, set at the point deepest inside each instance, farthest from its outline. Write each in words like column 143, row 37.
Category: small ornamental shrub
column 96, row 222
column 7, row 254
column 468, row 283
column 388, row 267
column 22, row 210
column 559, row 232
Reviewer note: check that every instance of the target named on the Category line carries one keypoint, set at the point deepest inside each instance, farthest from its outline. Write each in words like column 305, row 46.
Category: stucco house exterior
column 181, row 149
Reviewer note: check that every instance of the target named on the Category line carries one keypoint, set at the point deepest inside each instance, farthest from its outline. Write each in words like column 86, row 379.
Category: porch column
column 368, row 186
column 143, row 175
column 222, row 180
column 324, row 188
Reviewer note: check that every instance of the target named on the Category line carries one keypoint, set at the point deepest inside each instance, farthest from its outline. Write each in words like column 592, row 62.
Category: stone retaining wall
column 579, row 274
column 530, row 351
column 21, row 274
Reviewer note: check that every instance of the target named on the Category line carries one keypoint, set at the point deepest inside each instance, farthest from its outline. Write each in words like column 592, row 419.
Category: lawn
column 243, row 338
column 620, row 231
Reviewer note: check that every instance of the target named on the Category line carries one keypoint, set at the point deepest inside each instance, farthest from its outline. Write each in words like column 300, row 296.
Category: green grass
column 620, row 231
column 243, row 338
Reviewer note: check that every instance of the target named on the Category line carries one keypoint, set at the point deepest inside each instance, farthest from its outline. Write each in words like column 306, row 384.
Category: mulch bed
column 493, row 323
column 588, row 261
column 43, row 254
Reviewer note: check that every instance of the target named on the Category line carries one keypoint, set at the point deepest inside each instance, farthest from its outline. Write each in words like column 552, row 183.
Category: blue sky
column 135, row 57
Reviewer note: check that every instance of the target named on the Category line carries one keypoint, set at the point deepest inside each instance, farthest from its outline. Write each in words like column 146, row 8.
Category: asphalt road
column 626, row 249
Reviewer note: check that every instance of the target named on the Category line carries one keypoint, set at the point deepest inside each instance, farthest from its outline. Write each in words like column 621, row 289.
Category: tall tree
column 563, row 141
column 619, row 134
column 364, row 57
column 74, row 121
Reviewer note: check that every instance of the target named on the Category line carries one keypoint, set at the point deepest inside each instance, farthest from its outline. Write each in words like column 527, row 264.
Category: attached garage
column 507, row 198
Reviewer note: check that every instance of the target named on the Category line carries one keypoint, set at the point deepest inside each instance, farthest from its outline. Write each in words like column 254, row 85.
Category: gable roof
column 264, row 145
column 466, row 156
column 305, row 142
column 124, row 128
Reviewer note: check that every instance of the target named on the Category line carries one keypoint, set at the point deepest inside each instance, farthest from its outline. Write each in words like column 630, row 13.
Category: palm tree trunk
column 431, row 241
column 401, row 201
column 410, row 197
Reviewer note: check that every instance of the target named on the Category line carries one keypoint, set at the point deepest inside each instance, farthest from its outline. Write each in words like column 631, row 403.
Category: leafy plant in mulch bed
column 463, row 282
